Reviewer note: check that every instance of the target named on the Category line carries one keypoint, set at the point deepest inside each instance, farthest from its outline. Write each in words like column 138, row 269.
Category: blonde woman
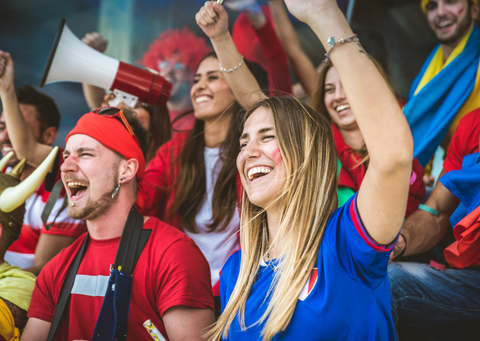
column 307, row 271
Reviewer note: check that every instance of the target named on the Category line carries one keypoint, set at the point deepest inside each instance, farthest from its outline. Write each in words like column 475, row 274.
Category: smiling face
column 450, row 19
column 336, row 102
column 211, row 95
column 88, row 181
column 260, row 162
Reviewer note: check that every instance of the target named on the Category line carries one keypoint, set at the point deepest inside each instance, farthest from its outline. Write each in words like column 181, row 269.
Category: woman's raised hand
column 213, row 20
column 305, row 10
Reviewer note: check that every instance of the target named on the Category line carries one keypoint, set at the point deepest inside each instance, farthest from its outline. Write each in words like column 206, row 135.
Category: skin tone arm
column 185, row 323
column 36, row 330
column 383, row 195
column 213, row 20
column 23, row 141
column 302, row 65
column 48, row 246
column 94, row 95
column 423, row 230
column 181, row 323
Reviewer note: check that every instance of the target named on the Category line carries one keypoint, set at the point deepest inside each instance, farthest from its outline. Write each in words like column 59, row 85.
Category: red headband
column 112, row 134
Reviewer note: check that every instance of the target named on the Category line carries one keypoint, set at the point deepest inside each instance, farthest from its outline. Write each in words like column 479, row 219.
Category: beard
column 95, row 208
column 461, row 29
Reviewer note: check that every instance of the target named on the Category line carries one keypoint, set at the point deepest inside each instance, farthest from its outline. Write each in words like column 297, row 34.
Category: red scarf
column 352, row 172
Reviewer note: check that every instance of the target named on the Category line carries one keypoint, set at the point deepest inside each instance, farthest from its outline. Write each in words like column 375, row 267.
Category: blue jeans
column 433, row 304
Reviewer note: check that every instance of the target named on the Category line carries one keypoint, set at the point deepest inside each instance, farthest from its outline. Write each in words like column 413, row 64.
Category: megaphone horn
column 71, row 60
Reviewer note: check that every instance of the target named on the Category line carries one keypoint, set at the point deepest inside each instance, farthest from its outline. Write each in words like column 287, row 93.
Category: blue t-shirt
column 347, row 296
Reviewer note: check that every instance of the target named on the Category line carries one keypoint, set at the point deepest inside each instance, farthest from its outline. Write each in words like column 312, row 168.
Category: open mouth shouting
column 256, row 173
column 6, row 148
column 76, row 189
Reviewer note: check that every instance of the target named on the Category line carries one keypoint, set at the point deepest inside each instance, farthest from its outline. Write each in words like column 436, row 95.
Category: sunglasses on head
column 116, row 113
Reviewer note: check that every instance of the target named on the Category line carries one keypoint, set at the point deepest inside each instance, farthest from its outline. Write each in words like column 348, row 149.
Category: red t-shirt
column 171, row 271
column 464, row 141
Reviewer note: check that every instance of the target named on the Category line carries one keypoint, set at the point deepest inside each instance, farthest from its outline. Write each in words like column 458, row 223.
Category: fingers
column 96, row 41
column 5, row 59
column 221, row 12
column 207, row 15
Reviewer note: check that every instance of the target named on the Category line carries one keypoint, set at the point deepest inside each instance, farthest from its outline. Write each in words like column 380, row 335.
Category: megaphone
column 71, row 60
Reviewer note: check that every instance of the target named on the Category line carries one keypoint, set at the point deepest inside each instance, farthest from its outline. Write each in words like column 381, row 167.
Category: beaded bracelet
column 231, row 70
column 331, row 41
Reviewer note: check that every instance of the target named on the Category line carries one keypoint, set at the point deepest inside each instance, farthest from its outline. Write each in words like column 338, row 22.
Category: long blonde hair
column 307, row 201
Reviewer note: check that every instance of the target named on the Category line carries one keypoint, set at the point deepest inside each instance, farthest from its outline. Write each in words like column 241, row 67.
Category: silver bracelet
column 331, row 41
column 231, row 70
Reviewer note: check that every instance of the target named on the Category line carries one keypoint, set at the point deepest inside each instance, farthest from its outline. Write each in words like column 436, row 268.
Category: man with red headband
column 87, row 287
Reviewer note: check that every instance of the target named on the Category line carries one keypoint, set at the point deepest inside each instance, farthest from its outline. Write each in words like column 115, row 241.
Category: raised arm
column 383, row 195
column 93, row 94
column 302, row 65
column 213, row 20
column 23, row 141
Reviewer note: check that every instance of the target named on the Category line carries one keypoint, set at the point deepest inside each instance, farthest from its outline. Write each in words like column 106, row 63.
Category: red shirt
column 171, row 271
column 464, row 141
column 156, row 191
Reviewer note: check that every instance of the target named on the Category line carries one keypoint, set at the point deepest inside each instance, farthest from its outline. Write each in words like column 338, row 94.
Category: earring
column 115, row 192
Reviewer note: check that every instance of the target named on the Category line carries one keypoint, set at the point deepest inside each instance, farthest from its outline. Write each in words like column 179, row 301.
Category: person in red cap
column 130, row 275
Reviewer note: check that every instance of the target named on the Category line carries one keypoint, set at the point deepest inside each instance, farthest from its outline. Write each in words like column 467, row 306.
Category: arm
column 94, row 95
column 23, row 141
column 213, row 20
column 275, row 57
column 423, row 230
column 302, row 65
column 36, row 330
column 48, row 246
column 184, row 323
column 382, row 198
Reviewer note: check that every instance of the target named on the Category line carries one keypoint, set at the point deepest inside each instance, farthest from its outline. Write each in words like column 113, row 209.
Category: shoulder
column 231, row 268
column 178, row 141
column 470, row 120
column 165, row 236
column 62, row 260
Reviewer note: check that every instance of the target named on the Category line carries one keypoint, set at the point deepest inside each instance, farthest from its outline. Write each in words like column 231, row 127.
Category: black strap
column 66, row 289
column 131, row 245
column 52, row 200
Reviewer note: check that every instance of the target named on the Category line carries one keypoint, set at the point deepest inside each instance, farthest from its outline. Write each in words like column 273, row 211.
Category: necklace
column 272, row 266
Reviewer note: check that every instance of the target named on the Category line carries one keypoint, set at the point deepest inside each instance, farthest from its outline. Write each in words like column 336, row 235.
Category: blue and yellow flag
column 442, row 93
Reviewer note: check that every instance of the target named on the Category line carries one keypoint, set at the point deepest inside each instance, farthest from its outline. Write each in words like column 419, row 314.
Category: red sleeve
column 42, row 305
column 464, row 141
column 278, row 69
column 152, row 190
column 184, row 278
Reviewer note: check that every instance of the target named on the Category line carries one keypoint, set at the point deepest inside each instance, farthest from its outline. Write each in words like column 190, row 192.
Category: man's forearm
column 422, row 231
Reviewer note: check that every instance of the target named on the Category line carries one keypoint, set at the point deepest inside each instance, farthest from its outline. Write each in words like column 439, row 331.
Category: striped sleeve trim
column 357, row 221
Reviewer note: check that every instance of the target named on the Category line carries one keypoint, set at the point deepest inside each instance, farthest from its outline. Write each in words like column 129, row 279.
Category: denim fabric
column 433, row 304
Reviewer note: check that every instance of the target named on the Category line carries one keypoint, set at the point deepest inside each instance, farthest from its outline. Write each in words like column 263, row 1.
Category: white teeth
column 444, row 24
column 343, row 107
column 74, row 184
column 7, row 149
column 256, row 170
column 201, row 99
